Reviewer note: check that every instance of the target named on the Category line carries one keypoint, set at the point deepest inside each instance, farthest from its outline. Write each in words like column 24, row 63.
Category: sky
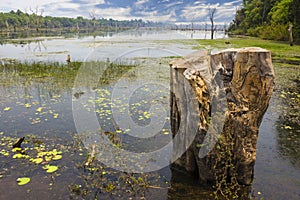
column 170, row 11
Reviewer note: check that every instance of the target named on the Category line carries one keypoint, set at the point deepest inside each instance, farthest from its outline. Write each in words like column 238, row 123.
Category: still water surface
column 37, row 103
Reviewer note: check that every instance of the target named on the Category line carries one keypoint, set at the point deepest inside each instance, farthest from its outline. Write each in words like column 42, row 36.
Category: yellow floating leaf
column 18, row 155
column 166, row 133
column 39, row 109
column 6, row 109
column 23, row 180
column 57, row 157
column 50, row 168
column 48, row 158
column 41, row 154
column 4, row 153
column 36, row 160
column 16, row 149
column 27, row 105
column 55, row 115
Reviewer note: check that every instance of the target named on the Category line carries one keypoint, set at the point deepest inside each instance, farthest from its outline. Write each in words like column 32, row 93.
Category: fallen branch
column 18, row 144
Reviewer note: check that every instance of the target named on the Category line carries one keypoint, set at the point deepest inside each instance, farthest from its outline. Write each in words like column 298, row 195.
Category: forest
column 267, row 19
column 20, row 21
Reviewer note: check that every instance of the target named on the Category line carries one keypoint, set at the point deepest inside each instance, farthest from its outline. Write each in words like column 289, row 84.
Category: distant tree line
column 268, row 19
column 35, row 21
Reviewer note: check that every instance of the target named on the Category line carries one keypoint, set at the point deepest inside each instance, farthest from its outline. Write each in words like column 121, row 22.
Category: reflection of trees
column 38, row 46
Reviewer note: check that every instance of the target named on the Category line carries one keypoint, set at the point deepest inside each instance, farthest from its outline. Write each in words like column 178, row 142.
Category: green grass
column 282, row 52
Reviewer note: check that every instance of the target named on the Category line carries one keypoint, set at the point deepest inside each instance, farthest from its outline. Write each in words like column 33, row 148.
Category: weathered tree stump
column 217, row 105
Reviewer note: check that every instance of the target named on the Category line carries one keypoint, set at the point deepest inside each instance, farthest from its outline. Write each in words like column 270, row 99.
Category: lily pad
column 23, row 180
column 50, row 168
column 36, row 160
column 18, row 155
column 39, row 109
column 27, row 105
column 57, row 157
column 6, row 109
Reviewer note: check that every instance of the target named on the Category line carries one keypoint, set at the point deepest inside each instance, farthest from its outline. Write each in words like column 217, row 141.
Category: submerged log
column 19, row 142
column 232, row 90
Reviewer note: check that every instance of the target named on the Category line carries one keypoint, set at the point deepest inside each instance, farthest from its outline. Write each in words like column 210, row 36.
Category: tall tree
column 268, row 19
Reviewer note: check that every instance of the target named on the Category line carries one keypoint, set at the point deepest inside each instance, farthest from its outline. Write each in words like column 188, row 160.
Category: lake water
column 155, row 43
column 38, row 102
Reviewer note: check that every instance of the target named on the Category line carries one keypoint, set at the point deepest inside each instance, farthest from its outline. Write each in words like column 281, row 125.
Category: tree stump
column 217, row 105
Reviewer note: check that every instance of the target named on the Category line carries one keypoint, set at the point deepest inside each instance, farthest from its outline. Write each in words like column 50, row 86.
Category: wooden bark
column 232, row 89
column 291, row 34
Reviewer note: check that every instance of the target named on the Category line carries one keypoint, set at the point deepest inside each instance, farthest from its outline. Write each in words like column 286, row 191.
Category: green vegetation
column 19, row 21
column 281, row 51
column 268, row 19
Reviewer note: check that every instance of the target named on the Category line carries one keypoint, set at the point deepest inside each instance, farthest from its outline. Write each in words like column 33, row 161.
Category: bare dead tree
column 37, row 16
column 212, row 12
column 93, row 17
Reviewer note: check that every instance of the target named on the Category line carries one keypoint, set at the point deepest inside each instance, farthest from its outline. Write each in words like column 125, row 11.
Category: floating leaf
column 6, row 109
column 4, row 153
column 27, row 105
column 282, row 96
column 23, row 180
column 48, row 158
column 41, row 154
column 57, row 157
column 39, row 109
column 36, row 160
column 55, row 152
column 147, row 115
column 166, row 133
column 18, row 155
column 288, row 127
column 16, row 149
column 50, row 168
column 55, row 115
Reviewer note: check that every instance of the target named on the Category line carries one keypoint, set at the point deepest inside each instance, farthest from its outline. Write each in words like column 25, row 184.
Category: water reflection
column 56, row 47
column 39, row 99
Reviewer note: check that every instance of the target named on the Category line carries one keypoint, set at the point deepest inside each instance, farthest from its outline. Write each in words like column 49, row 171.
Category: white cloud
column 8, row 5
column 174, row 4
column 195, row 12
column 157, row 17
column 170, row 12
column 200, row 11
column 93, row 1
column 114, row 13
column 139, row 3
column 199, row 2
column 232, row 3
